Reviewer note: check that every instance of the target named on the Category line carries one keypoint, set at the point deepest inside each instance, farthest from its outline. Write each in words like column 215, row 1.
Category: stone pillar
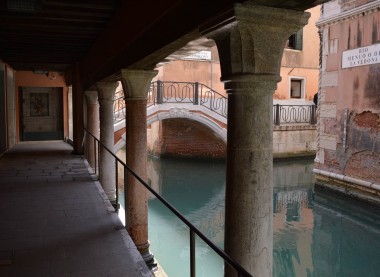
column 250, row 42
column 136, row 86
column 78, row 114
column 70, row 111
column 92, row 124
column 106, row 91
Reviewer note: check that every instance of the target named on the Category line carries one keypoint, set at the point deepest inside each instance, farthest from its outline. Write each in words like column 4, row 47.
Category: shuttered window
column 295, row 40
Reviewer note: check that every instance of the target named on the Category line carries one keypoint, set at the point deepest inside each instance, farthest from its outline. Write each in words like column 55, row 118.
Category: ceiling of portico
column 102, row 37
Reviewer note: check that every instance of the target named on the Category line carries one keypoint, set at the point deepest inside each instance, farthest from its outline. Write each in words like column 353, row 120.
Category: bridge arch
column 196, row 113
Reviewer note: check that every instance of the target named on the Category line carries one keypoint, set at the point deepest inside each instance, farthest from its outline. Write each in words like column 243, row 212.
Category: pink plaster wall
column 309, row 56
column 309, row 75
column 302, row 64
column 205, row 72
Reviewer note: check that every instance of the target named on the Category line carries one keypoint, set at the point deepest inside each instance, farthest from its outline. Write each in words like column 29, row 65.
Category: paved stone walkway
column 56, row 221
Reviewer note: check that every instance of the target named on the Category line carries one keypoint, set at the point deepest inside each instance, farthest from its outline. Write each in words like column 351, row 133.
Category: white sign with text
column 201, row 55
column 361, row 56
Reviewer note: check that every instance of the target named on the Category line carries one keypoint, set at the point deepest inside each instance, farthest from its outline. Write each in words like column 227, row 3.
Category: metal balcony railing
column 193, row 231
column 294, row 114
column 199, row 94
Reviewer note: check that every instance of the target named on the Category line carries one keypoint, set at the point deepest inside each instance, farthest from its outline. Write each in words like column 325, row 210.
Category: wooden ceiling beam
column 44, row 35
column 128, row 24
column 42, row 23
column 108, row 5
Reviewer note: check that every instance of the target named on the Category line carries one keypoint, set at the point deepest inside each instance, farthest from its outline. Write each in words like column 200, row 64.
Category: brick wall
column 187, row 138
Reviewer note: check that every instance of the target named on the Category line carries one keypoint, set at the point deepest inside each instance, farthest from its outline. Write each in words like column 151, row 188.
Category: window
column 297, row 88
column 295, row 41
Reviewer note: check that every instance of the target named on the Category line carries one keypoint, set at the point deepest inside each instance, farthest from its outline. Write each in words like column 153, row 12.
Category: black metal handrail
column 193, row 230
column 187, row 93
column 292, row 114
column 196, row 93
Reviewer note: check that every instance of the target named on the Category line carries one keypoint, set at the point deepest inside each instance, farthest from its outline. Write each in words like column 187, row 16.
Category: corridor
column 55, row 219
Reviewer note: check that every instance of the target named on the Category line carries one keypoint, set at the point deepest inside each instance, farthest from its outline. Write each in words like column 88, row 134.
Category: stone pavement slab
column 56, row 221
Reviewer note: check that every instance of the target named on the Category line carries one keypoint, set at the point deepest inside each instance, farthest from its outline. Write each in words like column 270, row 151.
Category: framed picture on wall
column 39, row 104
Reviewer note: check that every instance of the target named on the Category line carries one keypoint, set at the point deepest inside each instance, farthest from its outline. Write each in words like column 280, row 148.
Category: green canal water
column 315, row 233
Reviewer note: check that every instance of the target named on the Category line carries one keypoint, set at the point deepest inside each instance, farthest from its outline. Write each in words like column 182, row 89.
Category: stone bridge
column 215, row 122
column 294, row 122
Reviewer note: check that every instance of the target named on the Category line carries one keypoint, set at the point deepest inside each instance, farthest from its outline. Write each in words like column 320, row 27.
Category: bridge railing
column 199, row 94
column 294, row 114
column 193, row 231
column 187, row 93
column 118, row 106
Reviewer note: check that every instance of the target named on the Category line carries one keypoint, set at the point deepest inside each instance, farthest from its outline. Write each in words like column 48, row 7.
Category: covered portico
column 95, row 44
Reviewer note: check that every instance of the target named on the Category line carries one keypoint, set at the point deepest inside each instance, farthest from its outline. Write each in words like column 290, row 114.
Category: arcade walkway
column 54, row 219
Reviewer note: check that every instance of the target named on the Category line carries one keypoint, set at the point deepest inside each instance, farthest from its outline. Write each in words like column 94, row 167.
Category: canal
column 315, row 233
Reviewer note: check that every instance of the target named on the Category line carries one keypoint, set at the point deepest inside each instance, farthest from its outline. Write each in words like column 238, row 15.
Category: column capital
column 106, row 90
column 251, row 38
column 91, row 97
column 136, row 83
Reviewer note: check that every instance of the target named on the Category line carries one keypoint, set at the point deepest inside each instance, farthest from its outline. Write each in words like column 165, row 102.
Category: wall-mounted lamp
column 51, row 75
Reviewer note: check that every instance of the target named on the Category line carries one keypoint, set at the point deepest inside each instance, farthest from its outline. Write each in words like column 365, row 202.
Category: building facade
column 299, row 83
column 348, row 155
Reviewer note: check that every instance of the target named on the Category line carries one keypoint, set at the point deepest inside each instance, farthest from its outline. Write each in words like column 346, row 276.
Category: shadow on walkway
column 56, row 221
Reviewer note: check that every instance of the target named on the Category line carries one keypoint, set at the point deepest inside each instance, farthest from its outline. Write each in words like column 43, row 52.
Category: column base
column 115, row 205
column 147, row 256
column 111, row 195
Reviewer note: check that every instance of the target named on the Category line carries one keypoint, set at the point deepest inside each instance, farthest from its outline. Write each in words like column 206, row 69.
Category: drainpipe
column 211, row 78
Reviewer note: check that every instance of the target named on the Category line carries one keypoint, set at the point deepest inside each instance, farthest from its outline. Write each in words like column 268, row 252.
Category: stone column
column 250, row 41
column 92, row 124
column 136, row 86
column 106, row 91
column 70, row 111
column 78, row 114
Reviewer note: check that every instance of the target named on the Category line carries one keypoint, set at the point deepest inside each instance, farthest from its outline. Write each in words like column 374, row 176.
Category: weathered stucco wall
column 289, row 141
column 349, row 109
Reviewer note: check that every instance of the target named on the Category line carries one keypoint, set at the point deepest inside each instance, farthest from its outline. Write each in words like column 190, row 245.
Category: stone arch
column 217, row 129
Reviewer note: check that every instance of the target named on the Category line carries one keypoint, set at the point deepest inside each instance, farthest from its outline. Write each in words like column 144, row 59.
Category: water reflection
column 315, row 234
column 346, row 237
column 293, row 218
